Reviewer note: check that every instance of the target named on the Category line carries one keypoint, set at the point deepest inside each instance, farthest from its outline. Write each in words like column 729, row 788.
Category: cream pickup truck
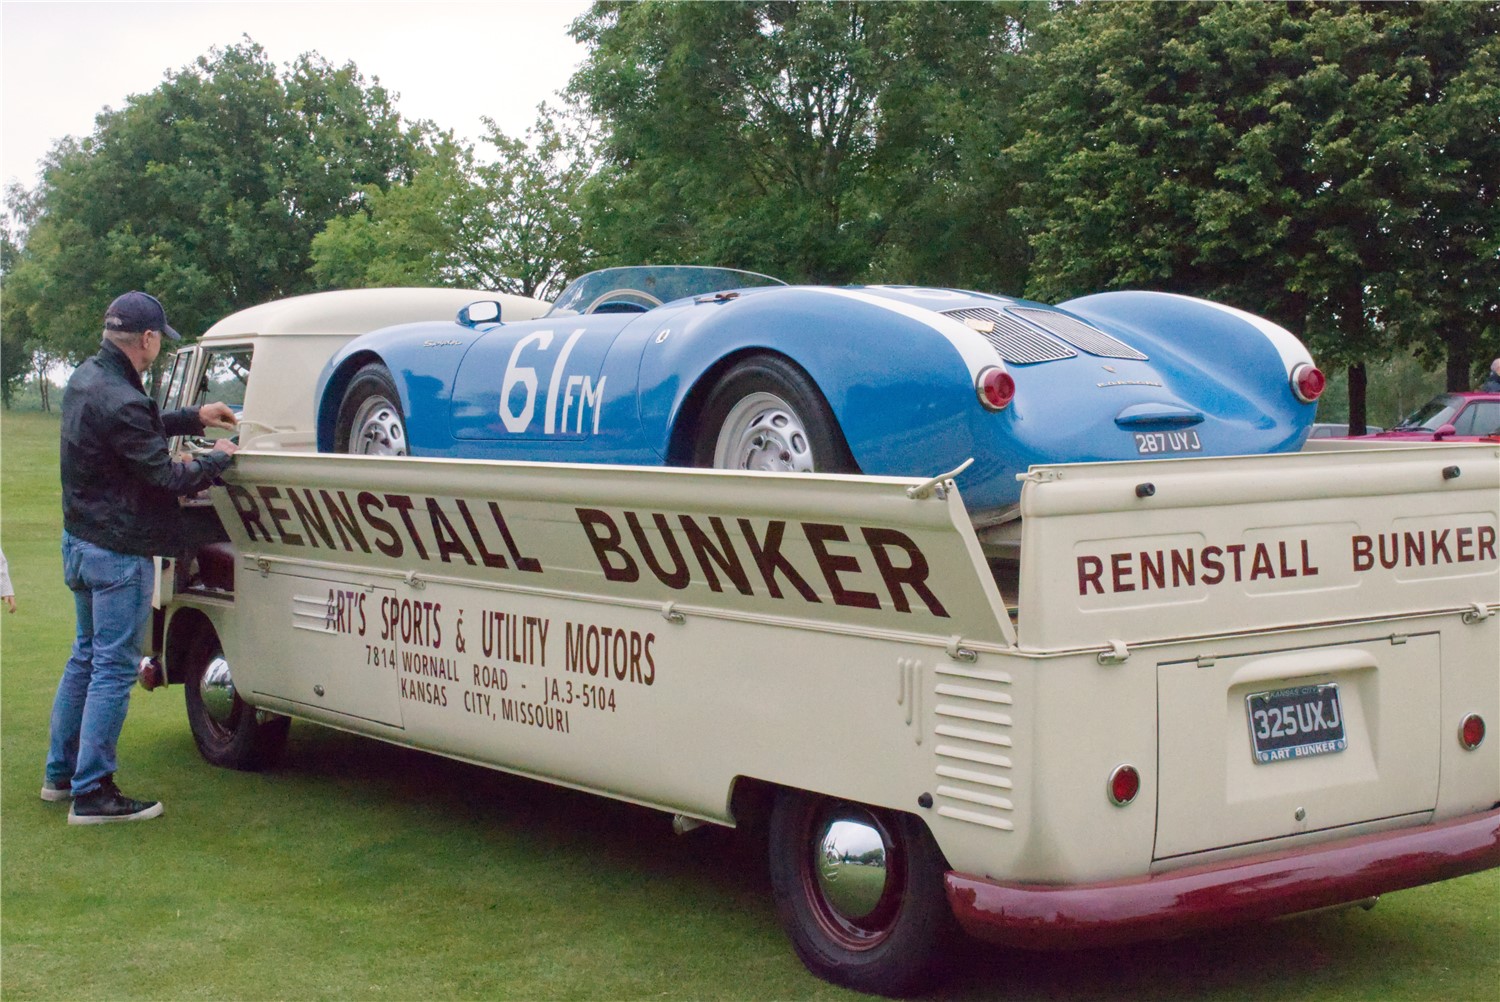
column 1170, row 695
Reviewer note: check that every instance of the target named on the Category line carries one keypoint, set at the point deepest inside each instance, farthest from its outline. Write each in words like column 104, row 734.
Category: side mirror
column 486, row 311
column 1443, row 432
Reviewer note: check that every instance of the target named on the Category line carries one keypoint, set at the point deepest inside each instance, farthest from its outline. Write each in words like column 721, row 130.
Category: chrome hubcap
column 217, row 690
column 763, row 432
column 852, row 868
column 378, row 429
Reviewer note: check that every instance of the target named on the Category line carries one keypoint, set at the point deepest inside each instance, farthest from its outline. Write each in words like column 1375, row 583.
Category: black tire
column 228, row 731
column 767, row 399
column 370, row 422
column 887, row 932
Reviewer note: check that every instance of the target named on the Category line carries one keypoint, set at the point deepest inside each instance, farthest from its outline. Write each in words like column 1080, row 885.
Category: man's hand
column 217, row 415
column 225, row 445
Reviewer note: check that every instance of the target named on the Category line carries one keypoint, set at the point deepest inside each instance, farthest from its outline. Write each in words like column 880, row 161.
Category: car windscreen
column 1432, row 415
column 616, row 290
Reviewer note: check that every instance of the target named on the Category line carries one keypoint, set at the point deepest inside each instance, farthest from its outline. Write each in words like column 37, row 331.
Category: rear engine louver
column 1079, row 334
column 1017, row 343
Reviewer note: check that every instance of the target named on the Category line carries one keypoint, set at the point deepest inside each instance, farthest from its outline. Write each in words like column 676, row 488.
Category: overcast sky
column 62, row 63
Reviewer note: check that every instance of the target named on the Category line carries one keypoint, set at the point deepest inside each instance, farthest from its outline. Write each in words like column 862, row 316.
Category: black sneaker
column 60, row 790
column 106, row 804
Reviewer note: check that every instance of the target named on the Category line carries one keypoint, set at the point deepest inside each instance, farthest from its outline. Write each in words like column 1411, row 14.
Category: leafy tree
column 1300, row 160
column 23, row 351
column 944, row 182
column 207, row 192
column 737, row 133
column 15, row 358
column 511, row 224
column 817, row 141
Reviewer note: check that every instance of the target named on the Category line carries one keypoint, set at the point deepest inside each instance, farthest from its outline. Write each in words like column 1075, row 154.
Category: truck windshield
column 224, row 377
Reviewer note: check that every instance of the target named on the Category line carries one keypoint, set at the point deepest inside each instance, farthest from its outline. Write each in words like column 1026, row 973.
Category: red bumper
column 1073, row 916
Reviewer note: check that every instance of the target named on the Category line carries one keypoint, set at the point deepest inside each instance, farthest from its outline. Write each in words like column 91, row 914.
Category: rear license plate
column 1292, row 723
column 1154, row 443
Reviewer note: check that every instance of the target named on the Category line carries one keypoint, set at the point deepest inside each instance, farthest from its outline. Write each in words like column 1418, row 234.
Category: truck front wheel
column 859, row 892
column 228, row 731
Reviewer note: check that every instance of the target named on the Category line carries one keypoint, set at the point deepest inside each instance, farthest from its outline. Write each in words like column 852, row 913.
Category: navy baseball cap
column 136, row 312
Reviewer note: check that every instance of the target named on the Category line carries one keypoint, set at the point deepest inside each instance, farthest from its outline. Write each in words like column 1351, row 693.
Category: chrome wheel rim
column 378, row 429
column 763, row 432
column 853, row 877
column 216, row 690
column 851, row 868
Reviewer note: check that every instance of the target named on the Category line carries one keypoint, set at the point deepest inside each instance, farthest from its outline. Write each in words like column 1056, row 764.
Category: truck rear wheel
column 370, row 422
column 228, row 731
column 859, row 892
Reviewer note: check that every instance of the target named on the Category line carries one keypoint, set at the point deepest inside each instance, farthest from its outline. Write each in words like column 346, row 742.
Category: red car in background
column 1449, row 417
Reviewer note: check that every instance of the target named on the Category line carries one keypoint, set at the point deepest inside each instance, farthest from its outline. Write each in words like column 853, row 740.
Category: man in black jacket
column 120, row 486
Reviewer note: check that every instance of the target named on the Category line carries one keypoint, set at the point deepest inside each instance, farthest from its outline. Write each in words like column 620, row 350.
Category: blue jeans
column 112, row 596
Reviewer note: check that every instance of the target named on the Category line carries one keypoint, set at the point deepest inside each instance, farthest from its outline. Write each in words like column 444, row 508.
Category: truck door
column 169, row 393
column 317, row 641
column 1261, row 746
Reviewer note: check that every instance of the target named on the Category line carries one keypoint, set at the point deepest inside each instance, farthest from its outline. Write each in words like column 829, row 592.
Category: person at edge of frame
column 119, row 487
column 7, row 590
column 1491, row 382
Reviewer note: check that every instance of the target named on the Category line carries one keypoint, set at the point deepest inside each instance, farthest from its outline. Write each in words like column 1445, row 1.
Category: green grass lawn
column 363, row 871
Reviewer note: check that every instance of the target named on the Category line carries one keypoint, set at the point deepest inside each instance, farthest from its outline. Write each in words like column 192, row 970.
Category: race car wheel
column 859, row 892
column 370, row 421
column 228, row 731
column 766, row 414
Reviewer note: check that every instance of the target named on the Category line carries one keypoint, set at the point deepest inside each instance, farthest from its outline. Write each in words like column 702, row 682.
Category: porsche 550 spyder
column 698, row 366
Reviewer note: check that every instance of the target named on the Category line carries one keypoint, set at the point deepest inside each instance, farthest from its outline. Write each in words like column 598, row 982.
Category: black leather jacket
column 119, row 483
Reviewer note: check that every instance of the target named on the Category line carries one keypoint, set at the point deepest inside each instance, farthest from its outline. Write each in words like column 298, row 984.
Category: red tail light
column 1124, row 784
column 1471, row 731
column 996, row 388
column 1308, row 382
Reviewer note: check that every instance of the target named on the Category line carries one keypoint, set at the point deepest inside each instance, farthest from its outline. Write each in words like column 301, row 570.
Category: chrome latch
column 1117, row 654
column 958, row 652
column 1476, row 613
column 937, row 484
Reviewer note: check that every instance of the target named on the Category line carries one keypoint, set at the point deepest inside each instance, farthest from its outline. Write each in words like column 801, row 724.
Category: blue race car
column 694, row 366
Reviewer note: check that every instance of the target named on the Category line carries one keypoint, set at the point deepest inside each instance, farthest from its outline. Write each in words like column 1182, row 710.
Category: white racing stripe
column 1292, row 351
column 977, row 353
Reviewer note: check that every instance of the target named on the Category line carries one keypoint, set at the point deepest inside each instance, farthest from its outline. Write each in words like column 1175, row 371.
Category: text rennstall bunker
column 389, row 523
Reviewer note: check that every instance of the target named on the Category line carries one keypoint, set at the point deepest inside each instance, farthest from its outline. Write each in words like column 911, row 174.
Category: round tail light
column 1471, row 731
column 1308, row 382
column 1124, row 784
column 996, row 388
